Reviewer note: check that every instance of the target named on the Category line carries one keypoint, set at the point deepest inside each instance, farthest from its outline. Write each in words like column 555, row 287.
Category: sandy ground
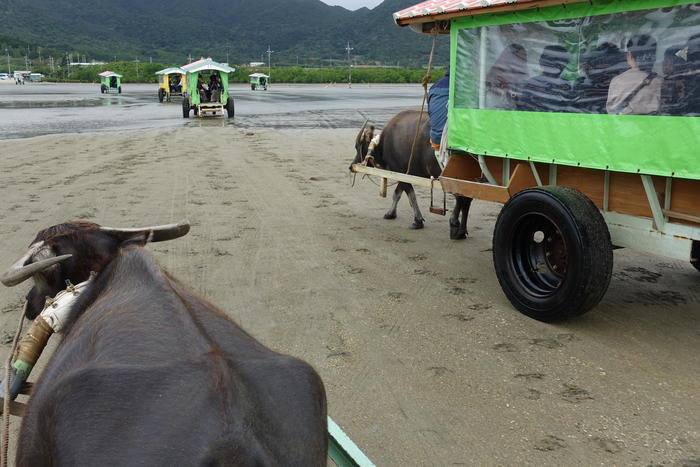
column 424, row 360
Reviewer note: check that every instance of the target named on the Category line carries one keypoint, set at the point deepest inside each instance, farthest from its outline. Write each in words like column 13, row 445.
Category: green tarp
column 649, row 144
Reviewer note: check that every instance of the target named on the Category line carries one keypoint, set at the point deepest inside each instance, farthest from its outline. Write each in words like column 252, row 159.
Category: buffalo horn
column 159, row 233
column 20, row 272
column 359, row 135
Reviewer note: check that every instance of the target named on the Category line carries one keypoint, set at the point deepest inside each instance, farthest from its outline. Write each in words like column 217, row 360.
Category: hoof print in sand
column 550, row 443
column 459, row 317
column 547, row 343
column 505, row 347
column 575, row 394
column 608, row 445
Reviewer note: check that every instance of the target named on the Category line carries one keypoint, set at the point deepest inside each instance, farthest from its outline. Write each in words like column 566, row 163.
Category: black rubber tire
column 119, row 89
column 252, row 87
column 185, row 108
column 230, row 108
column 161, row 94
column 102, row 89
column 552, row 253
column 695, row 255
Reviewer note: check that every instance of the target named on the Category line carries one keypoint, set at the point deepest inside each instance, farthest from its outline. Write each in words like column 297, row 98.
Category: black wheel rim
column 539, row 256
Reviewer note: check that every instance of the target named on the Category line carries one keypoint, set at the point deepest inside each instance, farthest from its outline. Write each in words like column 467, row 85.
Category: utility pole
column 348, row 48
column 7, row 52
column 269, row 64
column 137, row 69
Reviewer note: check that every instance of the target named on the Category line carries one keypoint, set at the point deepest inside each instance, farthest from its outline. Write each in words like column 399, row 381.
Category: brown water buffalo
column 393, row 153
column 148, row 373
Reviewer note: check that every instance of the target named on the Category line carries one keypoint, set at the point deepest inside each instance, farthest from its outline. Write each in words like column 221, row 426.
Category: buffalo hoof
column 390, row 215
column 457, row 234
column 417, row 224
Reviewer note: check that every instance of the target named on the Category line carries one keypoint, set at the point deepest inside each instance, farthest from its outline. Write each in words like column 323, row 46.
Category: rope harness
column 26, row 353
column 425, row 81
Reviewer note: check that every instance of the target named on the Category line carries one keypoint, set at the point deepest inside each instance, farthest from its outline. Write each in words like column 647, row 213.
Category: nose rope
column 6, row 389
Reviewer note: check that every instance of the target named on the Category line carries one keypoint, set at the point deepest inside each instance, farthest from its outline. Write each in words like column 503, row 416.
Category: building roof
column 170, row 71
column 435, row 10
column 207, row 64
column 105, row 74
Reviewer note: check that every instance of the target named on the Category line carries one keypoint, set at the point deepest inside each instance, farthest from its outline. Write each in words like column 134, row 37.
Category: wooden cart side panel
column 626, row 192
column 685, row 198
column 590, row 182
column 627, row 195
column 462, row 168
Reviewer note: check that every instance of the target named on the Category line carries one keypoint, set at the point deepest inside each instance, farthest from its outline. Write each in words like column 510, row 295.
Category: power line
column 348, row 48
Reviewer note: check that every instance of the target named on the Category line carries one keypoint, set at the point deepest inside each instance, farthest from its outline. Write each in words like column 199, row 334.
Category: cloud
column 353, row 4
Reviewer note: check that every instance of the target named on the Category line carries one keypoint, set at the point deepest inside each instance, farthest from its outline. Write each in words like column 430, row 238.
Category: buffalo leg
column 466, row 204
column 458, row 226
column 417, row 216
column 391, row 213
column 454, row 219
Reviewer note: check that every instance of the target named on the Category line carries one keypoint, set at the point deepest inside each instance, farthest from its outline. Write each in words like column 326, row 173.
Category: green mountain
column 307, row 32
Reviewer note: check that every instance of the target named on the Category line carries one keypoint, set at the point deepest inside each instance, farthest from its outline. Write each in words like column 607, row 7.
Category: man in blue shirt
column 438, row 96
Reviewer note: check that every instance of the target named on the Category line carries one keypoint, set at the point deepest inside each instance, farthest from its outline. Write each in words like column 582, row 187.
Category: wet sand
column 38, row 109
column 424, row 360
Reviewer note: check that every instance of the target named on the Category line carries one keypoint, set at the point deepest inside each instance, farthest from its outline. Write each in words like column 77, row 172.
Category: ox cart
column 172, row 82
column 259, row 80
column 203, row 95
column 110, row 82
column 581, row 117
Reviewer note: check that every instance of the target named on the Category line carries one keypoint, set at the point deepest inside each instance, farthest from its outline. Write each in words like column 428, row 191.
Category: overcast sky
column 354, row 4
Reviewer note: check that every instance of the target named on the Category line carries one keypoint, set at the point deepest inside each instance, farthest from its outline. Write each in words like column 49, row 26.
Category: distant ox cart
column 197, row 95
column 582, row 118
column 110, row 82
column 172, row 82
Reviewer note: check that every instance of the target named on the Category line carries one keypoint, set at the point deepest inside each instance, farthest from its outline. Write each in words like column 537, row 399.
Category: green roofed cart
column 171, row 82
column 259, row 80
column 110, row 82
column 207, row 89
column 583, row 118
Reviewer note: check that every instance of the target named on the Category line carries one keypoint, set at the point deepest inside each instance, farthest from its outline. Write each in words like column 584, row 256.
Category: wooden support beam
column 342, row 450
column 476, row 190
column 679, row 215
column 16, row 408
column 398, row 176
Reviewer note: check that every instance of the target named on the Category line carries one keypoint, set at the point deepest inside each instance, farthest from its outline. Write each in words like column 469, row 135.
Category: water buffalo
column 148, row 373
column 393, row 152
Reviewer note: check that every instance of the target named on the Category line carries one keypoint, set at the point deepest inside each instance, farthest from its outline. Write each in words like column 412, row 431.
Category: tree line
column 145, row 73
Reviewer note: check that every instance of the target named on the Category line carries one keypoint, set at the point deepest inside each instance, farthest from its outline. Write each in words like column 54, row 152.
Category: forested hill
column 305, row 31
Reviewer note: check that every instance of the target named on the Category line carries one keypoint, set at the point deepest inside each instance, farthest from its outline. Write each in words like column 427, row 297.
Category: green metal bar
column 342, row 450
